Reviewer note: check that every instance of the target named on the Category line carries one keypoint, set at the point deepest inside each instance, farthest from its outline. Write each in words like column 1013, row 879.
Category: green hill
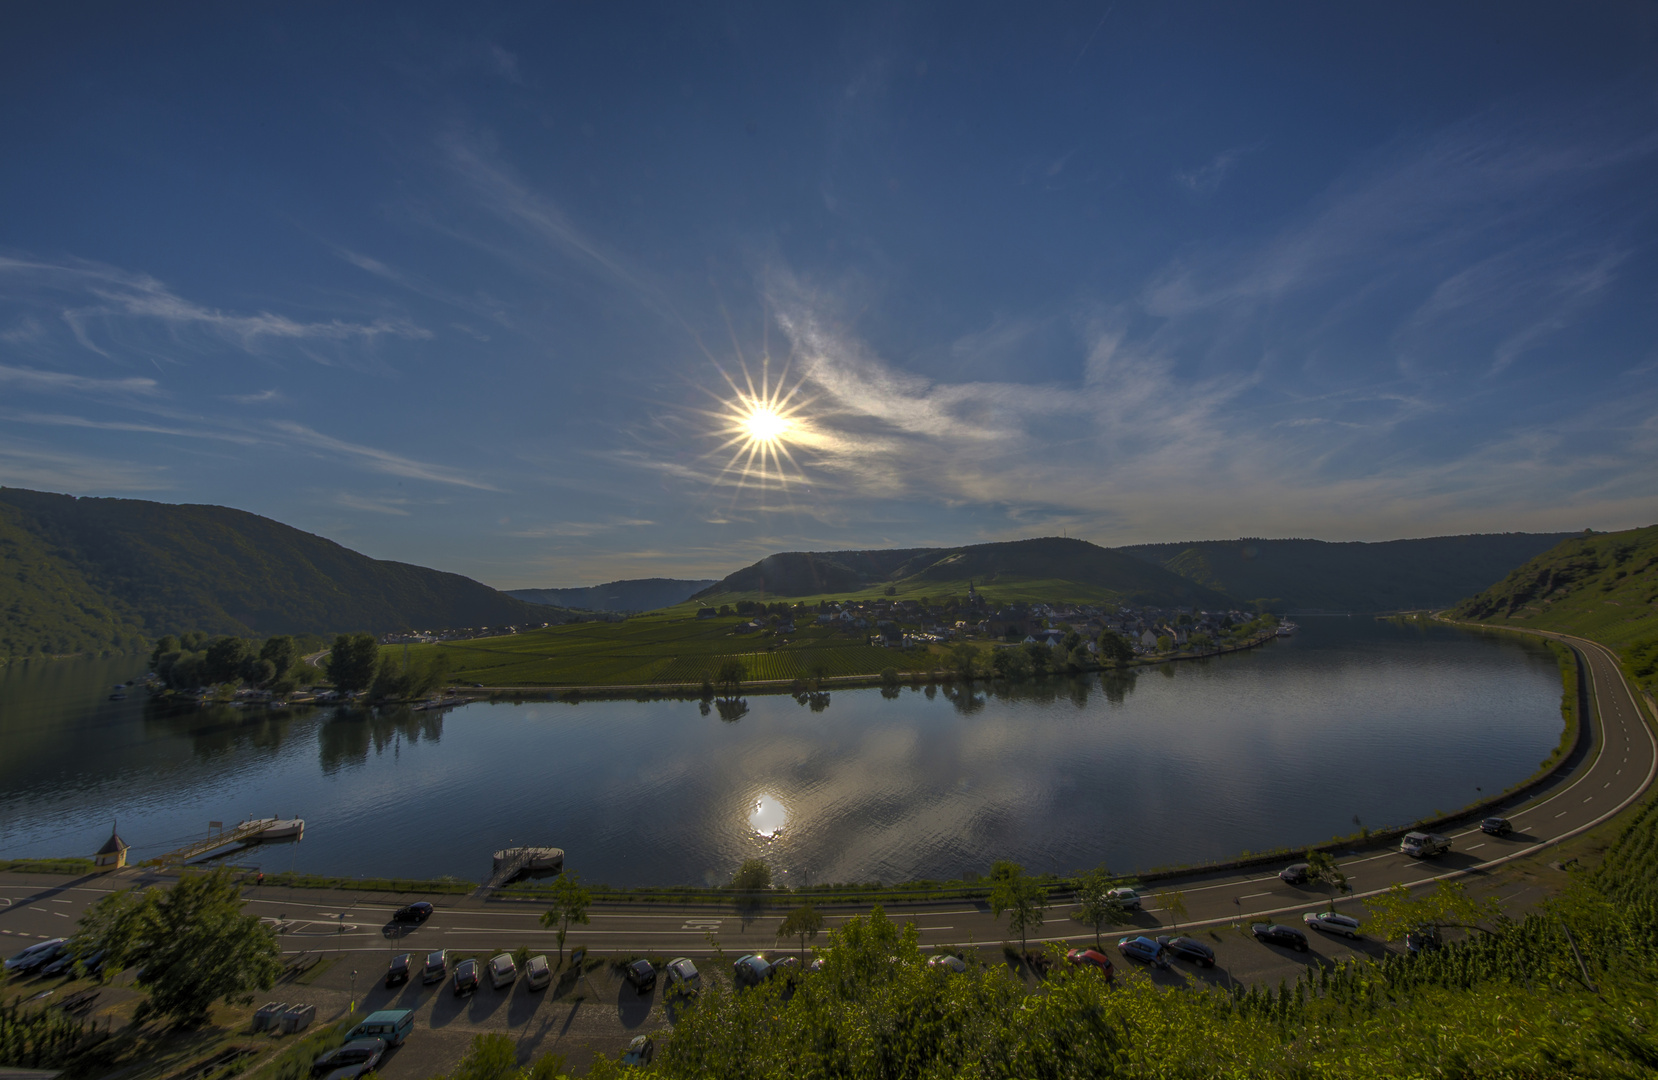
column 1316, row 575
column 82, row 575
column 1049, row 568
column 1602, row 586
column 641, row 594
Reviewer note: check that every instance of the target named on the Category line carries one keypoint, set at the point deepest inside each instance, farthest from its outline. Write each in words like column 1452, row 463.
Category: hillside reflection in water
column 1278, row 746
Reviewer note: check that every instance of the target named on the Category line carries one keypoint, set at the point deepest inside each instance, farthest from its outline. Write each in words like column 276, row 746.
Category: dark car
column 45, row 958
column 1296, row 874
column 1278, row 934
column 466, row 977
column 640, row 1051
column 783, row 968
column 437, row 967
column 641, row 976
column 1091, row 958
column 1423, row 938
column 398, row 972
column 1189, row 949
column 353, row 1059
column 750, row 970
column 417, row 912
column 1497, row 826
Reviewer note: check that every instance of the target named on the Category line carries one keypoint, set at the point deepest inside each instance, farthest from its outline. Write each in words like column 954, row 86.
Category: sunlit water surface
column 1350, row 721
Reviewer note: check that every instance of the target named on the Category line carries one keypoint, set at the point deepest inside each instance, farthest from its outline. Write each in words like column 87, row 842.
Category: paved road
column 1617, row 769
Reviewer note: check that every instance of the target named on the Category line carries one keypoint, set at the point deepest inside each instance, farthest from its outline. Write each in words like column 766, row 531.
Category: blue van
column 392, row 1025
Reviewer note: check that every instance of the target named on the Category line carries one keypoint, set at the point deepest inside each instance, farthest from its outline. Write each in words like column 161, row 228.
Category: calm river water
column 1285, row 744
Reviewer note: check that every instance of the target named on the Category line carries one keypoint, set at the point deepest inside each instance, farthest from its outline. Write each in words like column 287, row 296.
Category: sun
column 765, row 424
column 757, row 424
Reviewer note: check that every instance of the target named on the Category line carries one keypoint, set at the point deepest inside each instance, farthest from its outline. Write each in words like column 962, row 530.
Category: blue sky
column 472, row 288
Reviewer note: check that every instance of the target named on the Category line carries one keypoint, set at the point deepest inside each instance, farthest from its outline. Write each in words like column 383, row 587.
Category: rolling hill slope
column 1049, row 568
column 1602, row 586
column 641, row 594
column 93, row 574
column 1316, row 575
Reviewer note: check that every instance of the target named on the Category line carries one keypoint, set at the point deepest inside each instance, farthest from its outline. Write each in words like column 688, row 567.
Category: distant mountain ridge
column 636, row 594
column 80, row 574
column 1042, row 568
column 1320, row 575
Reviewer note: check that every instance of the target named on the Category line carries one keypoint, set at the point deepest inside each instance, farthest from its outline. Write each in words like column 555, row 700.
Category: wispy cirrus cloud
column 61, row 382
column 33, row 465
column 377, row 460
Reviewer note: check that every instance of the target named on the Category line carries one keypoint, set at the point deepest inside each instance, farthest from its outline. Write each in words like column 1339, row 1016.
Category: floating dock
column 255, row 831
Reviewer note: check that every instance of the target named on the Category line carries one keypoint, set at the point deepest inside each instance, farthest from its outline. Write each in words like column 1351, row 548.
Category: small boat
column 1285, row 629
column 281, row 829
column 118, row 696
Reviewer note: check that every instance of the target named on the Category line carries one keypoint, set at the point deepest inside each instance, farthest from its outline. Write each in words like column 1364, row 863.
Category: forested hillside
column 1602, row 586
column 1315, row 575
column 94, row 574
column 1046, row 568
column 642, row 594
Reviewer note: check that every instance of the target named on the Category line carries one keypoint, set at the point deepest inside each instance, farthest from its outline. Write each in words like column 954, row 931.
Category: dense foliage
column 96, row 574
column 1315, row 575
column 1602, row 586
column 192, row 945
column 34, row 1038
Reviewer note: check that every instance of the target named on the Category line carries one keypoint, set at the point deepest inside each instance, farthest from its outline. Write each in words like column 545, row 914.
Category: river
column 1351, row 721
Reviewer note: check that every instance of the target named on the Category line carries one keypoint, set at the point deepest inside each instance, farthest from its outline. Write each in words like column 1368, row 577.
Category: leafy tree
column 570, row 904
column 281, row 652
column 803, row 922
column 753, row 876
column 1115, row 648
column 225, row 658
column 1398, row 911
column 1095, row 907
column 1173, row 901
column 167, row 644
column 353, row 661
column 730, row 677
column 259, row 672
column 395, row 680
column 1019, row 897
column 1039, row 656
column 1010, row 664
column 964, row 660
column 889, row 677
column 192, row 944
column 1321, row 867
column 494, row 1056
column 1165, row 643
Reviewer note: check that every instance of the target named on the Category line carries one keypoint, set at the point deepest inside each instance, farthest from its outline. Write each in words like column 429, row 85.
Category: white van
column 1421, row 845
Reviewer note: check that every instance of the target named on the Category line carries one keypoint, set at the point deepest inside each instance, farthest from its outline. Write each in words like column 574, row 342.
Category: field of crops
column 659, row 649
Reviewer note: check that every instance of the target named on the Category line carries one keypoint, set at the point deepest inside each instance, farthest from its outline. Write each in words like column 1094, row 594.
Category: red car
column 1091, row 958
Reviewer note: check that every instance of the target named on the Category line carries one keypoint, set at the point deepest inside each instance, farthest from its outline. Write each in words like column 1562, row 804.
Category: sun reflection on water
column 767, row 816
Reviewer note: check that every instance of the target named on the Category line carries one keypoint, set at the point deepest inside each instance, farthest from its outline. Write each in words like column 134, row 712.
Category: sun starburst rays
column 758, row 423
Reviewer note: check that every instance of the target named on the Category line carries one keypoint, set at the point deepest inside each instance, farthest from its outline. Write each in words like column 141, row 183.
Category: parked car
column 1143, row 949
column 816, row 965
column 947, row 962
column 1332, row 923
column 437, row 967
column 1127, row 898
column 1423, row 938
column 1497, row 826
column 417, row 912
column 391, row 1025
column 1189, row 949
column 683, row 977
column 61, row 964
column 1296, row 873
column 750, row 970
column 1277, row 934
column 1092, row 958
column 353, row 1059
column 641, row 976
column 397, row 972
column 466, row 977
column 538, row 973
column 783, row 967
column 36, row 955
column 639, row 1052
column 502, row 971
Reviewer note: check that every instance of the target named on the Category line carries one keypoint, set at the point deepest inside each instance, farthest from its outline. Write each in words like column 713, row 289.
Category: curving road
column 1617, row 769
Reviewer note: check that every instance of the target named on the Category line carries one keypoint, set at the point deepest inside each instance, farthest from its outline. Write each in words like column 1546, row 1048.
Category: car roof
column 437, row 954
column 494, row 960
column 387, row 1016
column 364, row 1043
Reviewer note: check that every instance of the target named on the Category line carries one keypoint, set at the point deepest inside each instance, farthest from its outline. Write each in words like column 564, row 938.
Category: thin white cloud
column 377, row 460
column 63, row 420
column 59, row 382
column 262, row 397
column 44, row 468
column 578, row 528
column 395, row 507
column 1207, row 178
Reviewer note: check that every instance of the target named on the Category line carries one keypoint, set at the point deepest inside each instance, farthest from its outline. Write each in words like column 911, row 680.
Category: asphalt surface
column 1618, row 767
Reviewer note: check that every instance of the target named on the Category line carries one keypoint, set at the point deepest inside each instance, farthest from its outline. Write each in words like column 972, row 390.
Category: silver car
column 502, row 971
column 683, row 976
column 1331, row 923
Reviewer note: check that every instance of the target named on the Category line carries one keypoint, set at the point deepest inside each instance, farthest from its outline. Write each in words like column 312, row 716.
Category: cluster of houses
column 904, row 623
column 465, row 633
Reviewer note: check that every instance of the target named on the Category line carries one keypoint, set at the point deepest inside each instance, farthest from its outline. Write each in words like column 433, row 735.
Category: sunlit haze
column 562, row 294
